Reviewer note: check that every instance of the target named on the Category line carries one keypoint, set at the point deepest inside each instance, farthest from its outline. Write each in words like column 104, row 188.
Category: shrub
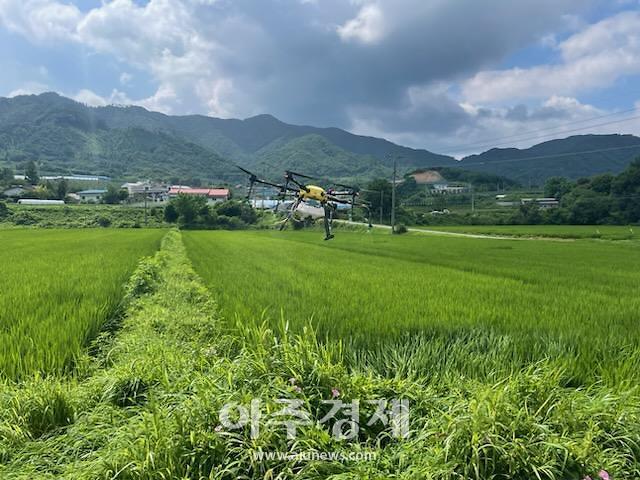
column 103, row 221
column 400, row 229
column 4, row 210
column 24, row 218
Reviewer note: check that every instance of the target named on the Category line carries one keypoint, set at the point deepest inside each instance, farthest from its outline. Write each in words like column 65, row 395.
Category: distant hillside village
column 26, row 192
column 70, row 189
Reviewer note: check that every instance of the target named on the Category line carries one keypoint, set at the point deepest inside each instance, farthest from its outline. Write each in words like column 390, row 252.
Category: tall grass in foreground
column 483, row 308
column 57, row 288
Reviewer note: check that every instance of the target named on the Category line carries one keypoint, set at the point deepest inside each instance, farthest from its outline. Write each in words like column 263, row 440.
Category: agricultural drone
column 310, row 201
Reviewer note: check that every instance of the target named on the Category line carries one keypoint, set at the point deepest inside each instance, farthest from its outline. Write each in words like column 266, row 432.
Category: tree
column 4, row 211
column 170, row 213
column 123, row 195
column 31, row 173
column 587, row 207
column 625, row 189
column 602, row 183
column 62, row 189
column 189, row 208
column 6, row 176
column 557, row 187
column 375, row 190
column 112, row 196
column 234, row 208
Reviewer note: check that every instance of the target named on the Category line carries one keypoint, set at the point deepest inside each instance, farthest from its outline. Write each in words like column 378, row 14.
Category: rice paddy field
column 57, row 288
column 480, row 307
column 120, row 349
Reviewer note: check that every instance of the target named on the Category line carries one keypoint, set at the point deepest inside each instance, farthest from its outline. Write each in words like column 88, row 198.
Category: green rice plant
column 524, row 425
column 443, row 305
column 57, row 289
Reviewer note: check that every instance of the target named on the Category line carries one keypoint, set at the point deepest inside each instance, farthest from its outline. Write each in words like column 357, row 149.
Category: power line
column 531, row 132
column 562, row 132
column 558, row 155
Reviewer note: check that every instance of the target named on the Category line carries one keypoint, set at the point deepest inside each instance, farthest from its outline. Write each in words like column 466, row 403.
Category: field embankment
column 604, row 232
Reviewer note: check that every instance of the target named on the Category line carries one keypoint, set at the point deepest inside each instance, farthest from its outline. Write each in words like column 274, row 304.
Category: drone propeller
column 348, row 187
column 253, row 179
column 301, row 175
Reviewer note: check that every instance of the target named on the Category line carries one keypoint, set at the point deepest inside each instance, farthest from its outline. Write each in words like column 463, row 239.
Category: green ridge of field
column 57, row 288
column 605, row 232
column 465, row 306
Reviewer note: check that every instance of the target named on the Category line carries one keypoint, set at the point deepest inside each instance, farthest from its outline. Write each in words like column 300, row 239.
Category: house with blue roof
column 91, row 196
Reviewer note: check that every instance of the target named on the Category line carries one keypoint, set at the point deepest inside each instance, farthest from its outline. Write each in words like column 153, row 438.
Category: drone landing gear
column 328, row 220
column 290, row 214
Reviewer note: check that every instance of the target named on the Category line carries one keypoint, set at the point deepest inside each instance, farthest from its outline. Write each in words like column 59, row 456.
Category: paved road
column 449, row 234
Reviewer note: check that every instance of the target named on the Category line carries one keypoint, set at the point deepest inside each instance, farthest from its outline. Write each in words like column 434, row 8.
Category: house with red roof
column 212, row 194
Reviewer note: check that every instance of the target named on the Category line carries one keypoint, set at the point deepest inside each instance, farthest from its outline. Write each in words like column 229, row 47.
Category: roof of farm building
column 209, row 192
column 92, row 192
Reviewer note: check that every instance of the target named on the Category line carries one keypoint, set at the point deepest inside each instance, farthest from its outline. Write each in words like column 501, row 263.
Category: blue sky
column 437, row 74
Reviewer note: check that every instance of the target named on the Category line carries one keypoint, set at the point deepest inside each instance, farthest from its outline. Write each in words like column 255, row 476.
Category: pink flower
column 604, row 475
column 297, row 389
column 335, row 393
column 587, row 478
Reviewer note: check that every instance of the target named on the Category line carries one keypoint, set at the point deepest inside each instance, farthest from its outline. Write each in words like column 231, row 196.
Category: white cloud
column 29, row 88
column 40, row 20
column 593, row 58
column 367, row 27
column 471, row 128
column 90, row 98
column 306, row 63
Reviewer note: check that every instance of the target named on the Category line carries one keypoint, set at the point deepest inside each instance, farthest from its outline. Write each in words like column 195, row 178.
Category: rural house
column 91, row 196
column 212, row 194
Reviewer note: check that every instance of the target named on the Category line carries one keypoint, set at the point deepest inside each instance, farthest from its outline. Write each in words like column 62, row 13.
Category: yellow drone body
column 312, row 192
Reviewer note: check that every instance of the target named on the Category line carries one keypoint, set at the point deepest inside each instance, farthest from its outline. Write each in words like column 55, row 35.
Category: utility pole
column 146, row 193
column 393, row 196
column 473, row 200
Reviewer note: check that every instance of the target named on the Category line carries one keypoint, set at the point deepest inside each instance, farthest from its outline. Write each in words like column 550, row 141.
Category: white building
column 445, row 188
column 37, row 201
column 91, row 196
column 154, row 192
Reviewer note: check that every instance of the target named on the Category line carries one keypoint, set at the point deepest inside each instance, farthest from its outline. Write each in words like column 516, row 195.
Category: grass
column 606, row 232
column 82, row 216
column 482, row 308
column 150, row 408
column 58, row 288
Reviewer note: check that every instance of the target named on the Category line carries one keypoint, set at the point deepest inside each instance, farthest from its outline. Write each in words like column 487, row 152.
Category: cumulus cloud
column 463, row 128
column 90, row 98
column 366, row 27
column 40, row 20
column 404, row 69
column 29, row 88
column 594, row 57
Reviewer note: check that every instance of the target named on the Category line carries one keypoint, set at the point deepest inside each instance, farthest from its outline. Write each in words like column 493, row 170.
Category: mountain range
column 130, row 142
